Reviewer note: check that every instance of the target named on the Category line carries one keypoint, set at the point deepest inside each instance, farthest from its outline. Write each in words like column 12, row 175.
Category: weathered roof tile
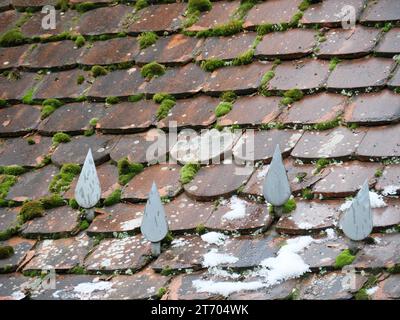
column 18, row 120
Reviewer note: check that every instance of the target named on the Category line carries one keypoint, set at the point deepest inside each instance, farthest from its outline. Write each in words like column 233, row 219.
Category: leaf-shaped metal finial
column 357, row 221
column 88, row 191
column 154, row 223
column 276, row 188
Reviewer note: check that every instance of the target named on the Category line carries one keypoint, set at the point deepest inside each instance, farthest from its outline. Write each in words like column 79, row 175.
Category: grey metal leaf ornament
column 154, row 223
column 88, row 190
column 357, row 221
column 276, row 188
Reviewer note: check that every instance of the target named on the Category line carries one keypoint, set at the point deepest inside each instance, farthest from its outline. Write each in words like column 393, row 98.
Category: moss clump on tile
column 244, row 8
column 3, row 103
column 52, row 201
column 146, row 39
column 291, row 96
column 61, row 182
column 229, row 29
column 267, row 78
column 200, row 229
column 28, row 96
column 80, row 80
column 113, row 198
column 136, row 97
column 394, row 269
column 98, row 71
column 223, row 108
column 6, row 252
column 228, row 96
column 161, row 96
column 80, row 41
column 6, row 182
column 322, row 163
column 85, row 6
column 30, row 141
column 307, row 194
column 304, row 5
column 333, row 63
column 188, row 172
column 289, row 206
column 73, row 204
column 49, row 106
column 13, row 170
column 244, row 58
column 387, row 27
column 164, row 108
column 167, row 271
column 60, row 137
column 93, row 122
column 112, row 100
column 212, row 64
column 161, row 292
column 378, row 173
column 31, row 210
column 326, row 125
column 344, row 258
column 199, row 5
column 141, row 4
column 83, row 225
column 13, row 37
column 128, row 170
column 152, row 69
column 362, row 294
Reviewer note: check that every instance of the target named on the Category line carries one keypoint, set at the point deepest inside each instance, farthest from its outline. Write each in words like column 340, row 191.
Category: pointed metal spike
column 357, row 221
column 276, row 187
column 154, row 223
column 88, row 190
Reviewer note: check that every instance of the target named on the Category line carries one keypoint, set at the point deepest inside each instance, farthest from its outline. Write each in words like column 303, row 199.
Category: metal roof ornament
column 357, row 221
column 88, row 190
column 154, row 223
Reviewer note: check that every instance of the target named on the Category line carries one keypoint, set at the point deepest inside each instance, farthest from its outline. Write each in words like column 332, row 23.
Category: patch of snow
column 85, row 289
column 305, row 225
column 213, row 258
column 214, row 238
column 372, row 290
column 390, row 190
column 180, row 242
column 345, row 206
column 330, row 233
column 238, row 209
column 262, row 173
column 223, row 273
column 225, row 288
column 376, row 200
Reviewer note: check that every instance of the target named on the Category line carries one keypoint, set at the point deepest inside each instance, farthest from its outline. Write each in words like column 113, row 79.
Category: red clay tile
column 383, row 254
column 395, row 81
column 240, row 79
column 346, row 179
column 108, row 177
column 271, row 12
column 129, row 117
column 124, row 84
column 119, row 254
column 61, row 254
column 148, row 19
column 60, row 54
column 313, row 109
column 8, row 218
column 108, row 20
column 14, row 89
column 252, row 111
column 18, row 120
column 171, row 50
column 179, row 81
column 329, row 286
column 389, row 45
column 389, row 182
column 112, row 51
column 300, row 177
column 12, row 57
column 21, row 248
column 65, row 22
column 13, row 286
column 388, row 289
column 33, row 184
column 310, row 216
column 135, row 147
column 76, row 150
column 372, row 147
column 291, row 44
column 338, row 143
column 251, row 216
column 381, row 11
column 197, row 112
column 208, row 184
column 72, row 118
column 226, row 48
column 19, row 152
column 329, row 13
column 281, row 291
column 382, row 107
column 57, row 222
column 8, row 20
column 165, row 176
column 348, row 43
column 63, row 85
column 221, row 13
column 121, row 217
column 264, row 143
column 346, row 75
column 184, row 214
column 387, row 217
column 304, row 74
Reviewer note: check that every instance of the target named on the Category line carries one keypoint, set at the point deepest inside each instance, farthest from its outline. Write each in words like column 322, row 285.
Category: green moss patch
column 212, row 64
column 80, row 41
column 31, row 210
column 291, row 96
column 136, row 97
column 98, row 71
column 344, row 258
column 229, row 29
column 113, row 198
column 52, row 201
column 152, row 69
column 112, row 100
column 326, row 125
column 49, row 106
column 199, row 5
column 289, row 206
column 228, row 96
column 128, row 170
column 164, row 108
column 333, row 63
column 6, row 252
column 85, row 6
column 13, row 170
column 61, row 182
column 223, row 108
column 13, row 37
column 6, row 182
column 267, row 78
column 146, row 39
column 322, row 163
column 61, row 137
column 188, row 172
column 244, row 58
column 141, row 4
